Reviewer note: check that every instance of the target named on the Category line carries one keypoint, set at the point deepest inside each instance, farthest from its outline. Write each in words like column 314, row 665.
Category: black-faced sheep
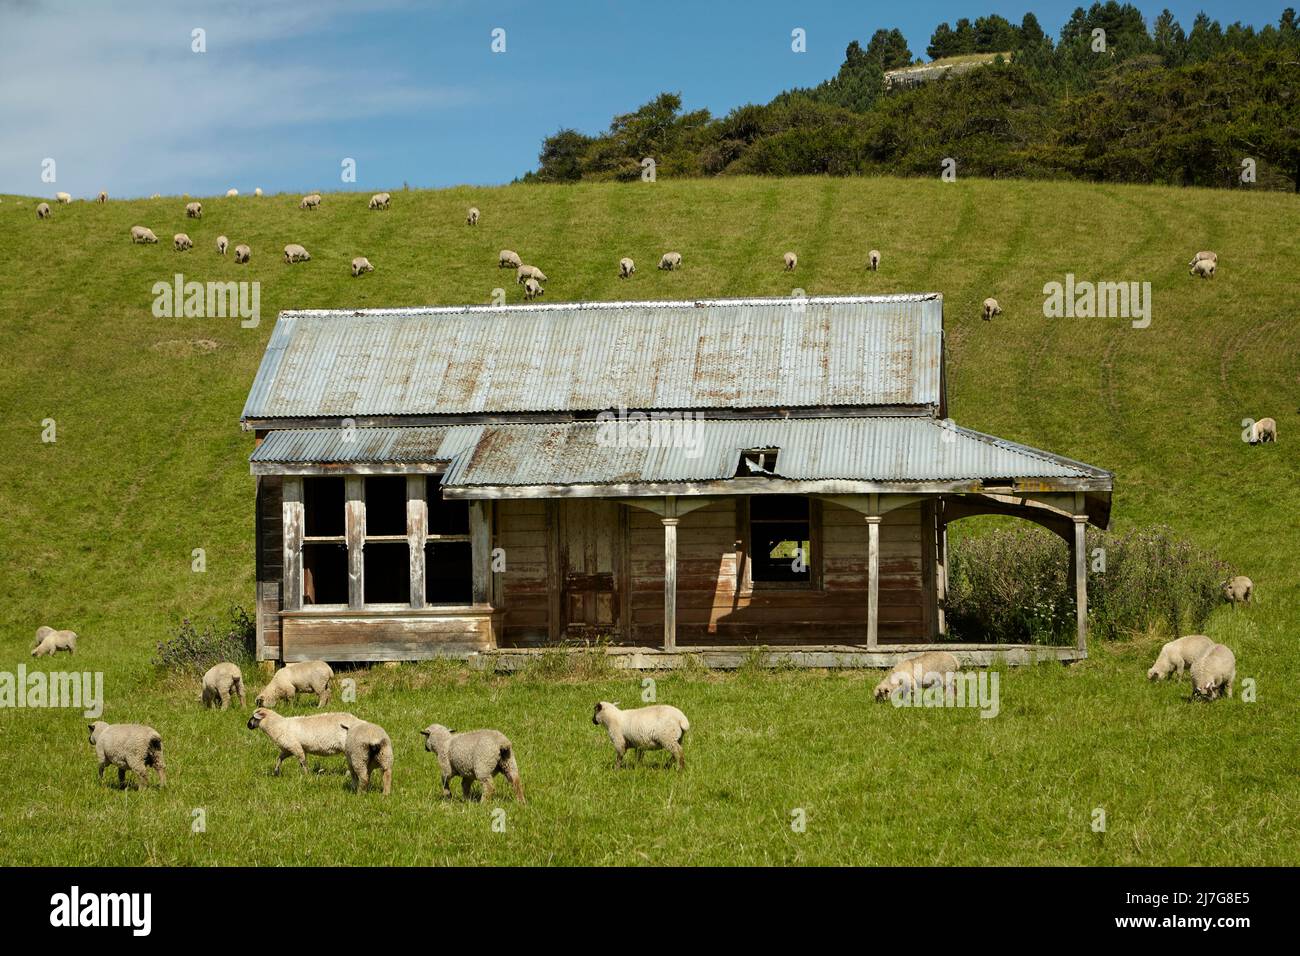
column 361, row 265
column 873, row 260
column 311, row 202
column 242, row 254
column 657, row 727
column 303, row 677
column 791, row 260
column 368, row 748
column 670, row 261
column 50, row 642
column 1178, row 655
column 1264, row 430
column 380, row 201
column 532, row 288
column 182, row 242
column 141, row 234
column 525, row 272
column 1238, row 589
column 991, row 308
column 474, row 755
column 321, row 735
column 133, row 747
column 1213, row 673
column 626, row 267
column 222, row 245
column 508, row 259
column 471, row 218
column 194, row 210
column 296, row 253
column 102, row 197
column 1204, row 268
column 43, row 211
column 221, row 683
column 64, row 198
column 930, row 669
column 1212, row 256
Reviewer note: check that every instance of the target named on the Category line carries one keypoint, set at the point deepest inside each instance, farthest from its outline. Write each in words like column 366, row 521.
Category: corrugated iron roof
column 341, row 446
column 843, row 351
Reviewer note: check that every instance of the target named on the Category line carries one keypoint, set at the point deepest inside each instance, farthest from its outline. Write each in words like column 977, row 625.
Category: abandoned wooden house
column 659, row 477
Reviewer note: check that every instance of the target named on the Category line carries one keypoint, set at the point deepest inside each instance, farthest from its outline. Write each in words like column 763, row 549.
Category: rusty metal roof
column 342, row 446
column 815, row 352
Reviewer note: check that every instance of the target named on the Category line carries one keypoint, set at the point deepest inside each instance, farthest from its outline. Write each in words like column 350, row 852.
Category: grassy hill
column 149, row 464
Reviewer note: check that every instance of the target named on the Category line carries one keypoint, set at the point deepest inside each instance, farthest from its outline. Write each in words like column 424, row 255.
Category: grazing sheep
column 626, row 267
column 474, row 755
column 296, row 253
column 257, row 191
column 670, row 261
column 532, row 288
column 1214, row 672
column 133, row 747
column 222, row 244
column 141, row 234
column 1239, row 590
column 368, row 748
column 156, row 196
column 873, row 259
column 1264, row 430
column 321, row 735
column 64, row 198
column 1212, row 256
column 50, row 642
column 222, row 682
column 791, row 260
column 379, row 201
column 657, row 727
column 1179, row 654
column 526, row 271
column 472, row 218
column 508, row 259
column 310, row 202
column 182, row 242
column 43, row 211
column 1204, row 268
column 232, row 192
column 361, row 264
column 991, row 308
column 930, row 669
column 242, row 254
column 194, row 210
column 102, row 197
column 304, row 677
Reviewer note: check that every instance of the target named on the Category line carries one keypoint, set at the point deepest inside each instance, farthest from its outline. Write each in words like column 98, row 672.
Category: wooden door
column 592, row 552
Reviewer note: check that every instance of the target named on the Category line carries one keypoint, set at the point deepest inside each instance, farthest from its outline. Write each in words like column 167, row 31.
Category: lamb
column 50, row 642
column 791, row 260
column 242, row 254
column 1212, row 256
column 222, row 244
column 379, row 201
column 43, row 211
column 1214, row 672
column 322, row 735
column 1238, row 590
column 222, row 682
column 304, row 677
column 141, row 234
column 310, row 202
column 182, row 242
column 296, row 253
column 873, row 259
column 361, row 265
column 508, row 259
column 64, row 198
column 232, row 192
column 194, row 210
column 1203, row 268
column 133, row 747
column 1179, row 654
column 657, row 727
column 625, row 268
column 532, row 288
column 1264, row 430
column 670, row 261
column 474, row 755
column 368, row 748
column 102, row 197
column 991, row 308
column 472, row 218
column 526, row 271
column 932, row 668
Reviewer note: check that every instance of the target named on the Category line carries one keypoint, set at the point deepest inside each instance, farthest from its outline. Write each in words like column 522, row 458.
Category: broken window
column 324, row 542
column 448, row 568
column 780, row 536
column 757, row 463
column 387, row 555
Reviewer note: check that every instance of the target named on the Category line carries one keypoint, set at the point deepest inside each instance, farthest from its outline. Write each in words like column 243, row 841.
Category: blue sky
column 411, row 90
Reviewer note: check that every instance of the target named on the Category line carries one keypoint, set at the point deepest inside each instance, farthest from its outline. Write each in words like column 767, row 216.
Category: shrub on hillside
column 1012, row 586
column 196, row 650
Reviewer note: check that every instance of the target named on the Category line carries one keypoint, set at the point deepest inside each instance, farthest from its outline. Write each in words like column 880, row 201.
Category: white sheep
column 64, row 198
column 309, row 202
column 156, row 196
column 194, row 210
column 991, row 308
column 133, row 747
column 873, row 259
column 670, row 261
column 472, row 217
column 474, row 755
column 142, row 234
column 657, row 727
column 242, row 254
column 1239, row 589
column 296, row 253
column 526, row 272
column 1214, row 672
column 379, row 201
column 1178, row 655
column 929, row 669
column 508, row 259
column 368, row 748
column 222, row 244
column 304, row 677
column 232, row 192
column 361, row 265
column 1212, row 256
column 1204, row 268
column 1264, row 430
column 532, row 288
column 43, row 211
column 791, row 260
column 258, row 191
column 102, row 197
column 321, row 735
column 626, row 267
column 50, row 642
column 221, row 683
column 182, row 242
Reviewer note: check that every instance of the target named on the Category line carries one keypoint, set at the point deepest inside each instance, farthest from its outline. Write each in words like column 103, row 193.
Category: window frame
column 746, row 584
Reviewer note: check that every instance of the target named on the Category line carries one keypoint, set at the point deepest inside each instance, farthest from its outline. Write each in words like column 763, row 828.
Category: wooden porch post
column 355, row 490
column 292, row 515
column 941, row 576
column 1080, row 564
column 873, row 579
column 481, row 550
column 417, row 534
column 670, row 583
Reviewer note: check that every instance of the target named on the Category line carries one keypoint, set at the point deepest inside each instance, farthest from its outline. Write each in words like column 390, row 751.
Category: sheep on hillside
column 142, row 234
column 929, row 669
column 50, row 642
column 368, row 748
column 380, row 201
column 626, row 267
column 321, row 735
column 991, row 308
column 1264, row 430
column 1238, row 590
column 296, row 253
column 1178, row 655
column 472, row 217
column 303, row 677
column 791, row 260
column 670, row 261
column 1213, row 673
column 1204, row 268
column 361, row 265
column 474, row 755
column 222, row 244
column 182, row 243
column 311, row 202
column 657, row 727
column 221, row 683
column 242, row 254
column 133, row 747
column 43, row 211
column 194, row 210
column 873, row 259
column 508, row 259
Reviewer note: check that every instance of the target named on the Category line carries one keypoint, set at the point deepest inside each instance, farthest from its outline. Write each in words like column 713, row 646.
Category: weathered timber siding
column 386, row 637
column 270, row 566
column 523, row 531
